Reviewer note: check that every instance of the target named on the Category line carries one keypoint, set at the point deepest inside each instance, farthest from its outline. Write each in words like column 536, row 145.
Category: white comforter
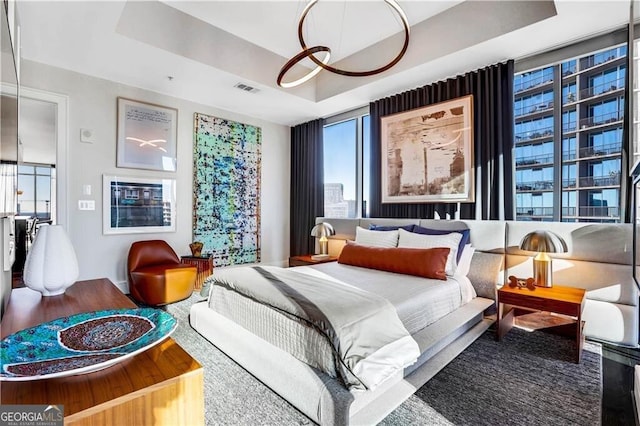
column 368, row 339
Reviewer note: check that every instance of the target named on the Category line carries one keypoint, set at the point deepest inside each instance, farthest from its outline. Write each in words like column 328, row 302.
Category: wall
column 92, row 105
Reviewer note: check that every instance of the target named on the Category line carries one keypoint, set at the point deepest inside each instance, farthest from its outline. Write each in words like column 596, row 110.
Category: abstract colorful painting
column 226, row 189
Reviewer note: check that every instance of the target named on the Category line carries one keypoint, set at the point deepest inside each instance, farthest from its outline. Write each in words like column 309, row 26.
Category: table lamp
column 543, row 242
column 322, row 231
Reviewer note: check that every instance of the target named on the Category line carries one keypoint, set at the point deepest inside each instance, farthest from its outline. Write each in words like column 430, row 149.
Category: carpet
column 528, row 378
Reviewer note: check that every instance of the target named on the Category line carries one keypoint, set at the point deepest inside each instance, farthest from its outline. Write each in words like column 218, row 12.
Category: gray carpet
column 528, row 378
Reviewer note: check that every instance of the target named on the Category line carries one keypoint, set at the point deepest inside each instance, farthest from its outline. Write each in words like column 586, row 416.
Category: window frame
column 360, row 170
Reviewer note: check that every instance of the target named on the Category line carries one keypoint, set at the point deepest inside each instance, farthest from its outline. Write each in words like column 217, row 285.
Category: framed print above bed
column 147, row 135
column 138, row 205
column 427, row 154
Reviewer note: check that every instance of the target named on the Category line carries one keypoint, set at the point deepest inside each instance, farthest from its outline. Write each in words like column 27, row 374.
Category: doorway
column 41, row 169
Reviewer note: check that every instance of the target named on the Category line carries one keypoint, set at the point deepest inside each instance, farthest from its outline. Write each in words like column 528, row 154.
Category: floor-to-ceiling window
column 346, row 173
column 585, row 97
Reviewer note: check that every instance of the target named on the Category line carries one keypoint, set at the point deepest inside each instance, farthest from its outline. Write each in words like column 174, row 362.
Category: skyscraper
column 568, row 138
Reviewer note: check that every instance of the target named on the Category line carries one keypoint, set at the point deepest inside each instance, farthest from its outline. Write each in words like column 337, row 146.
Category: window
column 589, row 101
column 35, row 183
column 347, row 148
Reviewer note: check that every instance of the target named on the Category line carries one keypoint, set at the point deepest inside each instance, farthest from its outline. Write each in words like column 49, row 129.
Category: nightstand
column 306, row 260
column 204, row 265
column 568, row 302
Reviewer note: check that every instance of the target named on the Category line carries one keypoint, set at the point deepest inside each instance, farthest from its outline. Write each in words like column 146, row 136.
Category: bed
column 442, row 317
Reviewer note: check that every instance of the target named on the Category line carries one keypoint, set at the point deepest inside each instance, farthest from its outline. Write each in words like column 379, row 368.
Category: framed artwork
column 226, row 189
column 147, row 135
column 427, row 154
column 138, row 205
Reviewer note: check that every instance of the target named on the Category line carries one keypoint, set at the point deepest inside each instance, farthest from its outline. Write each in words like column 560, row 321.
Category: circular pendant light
column 308, row 52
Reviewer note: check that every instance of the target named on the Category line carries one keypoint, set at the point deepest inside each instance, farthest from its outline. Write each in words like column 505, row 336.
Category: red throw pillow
column 428, row 263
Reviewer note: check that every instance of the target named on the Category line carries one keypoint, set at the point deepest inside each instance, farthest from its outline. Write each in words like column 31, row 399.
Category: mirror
column 8, row 152
column 36, row 193
column 9, row 120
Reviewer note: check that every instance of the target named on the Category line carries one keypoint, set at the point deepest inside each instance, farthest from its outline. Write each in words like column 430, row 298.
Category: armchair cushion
column 156, row 276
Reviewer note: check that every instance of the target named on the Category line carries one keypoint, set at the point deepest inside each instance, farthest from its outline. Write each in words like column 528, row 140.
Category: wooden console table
column 162, row 385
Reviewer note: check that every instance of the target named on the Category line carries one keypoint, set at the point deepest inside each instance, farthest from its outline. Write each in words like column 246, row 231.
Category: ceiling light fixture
column 309, row 52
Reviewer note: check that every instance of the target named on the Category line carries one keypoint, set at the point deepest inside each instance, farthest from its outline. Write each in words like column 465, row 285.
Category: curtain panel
column 492, row 90
column 307, row 184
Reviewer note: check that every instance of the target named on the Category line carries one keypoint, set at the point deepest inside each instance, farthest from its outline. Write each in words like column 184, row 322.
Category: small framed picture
column 138, row 205
column 147, row 135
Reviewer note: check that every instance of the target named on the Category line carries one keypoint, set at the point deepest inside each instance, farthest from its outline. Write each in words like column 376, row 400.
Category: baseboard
column 123, row 286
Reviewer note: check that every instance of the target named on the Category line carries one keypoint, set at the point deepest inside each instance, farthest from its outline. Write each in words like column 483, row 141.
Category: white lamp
column 51, row 264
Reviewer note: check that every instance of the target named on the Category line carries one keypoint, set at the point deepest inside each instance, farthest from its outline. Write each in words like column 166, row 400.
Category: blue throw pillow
column 466, row 235
column 408, row 228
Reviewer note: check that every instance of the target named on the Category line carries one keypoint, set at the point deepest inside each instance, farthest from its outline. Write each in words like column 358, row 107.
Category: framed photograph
column 147, row 135
column 427, row 154
column 137, row 205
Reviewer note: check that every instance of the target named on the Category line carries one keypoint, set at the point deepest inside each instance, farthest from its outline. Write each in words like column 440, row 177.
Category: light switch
column 86, row 189
column 86, row 204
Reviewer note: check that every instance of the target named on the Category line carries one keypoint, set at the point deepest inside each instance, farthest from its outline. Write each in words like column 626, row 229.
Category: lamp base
column 324, row 247
column 543, row 273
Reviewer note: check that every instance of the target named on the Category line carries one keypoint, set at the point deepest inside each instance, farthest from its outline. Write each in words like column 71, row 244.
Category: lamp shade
column 51, row 264
column 322, row 229
column 543, row 242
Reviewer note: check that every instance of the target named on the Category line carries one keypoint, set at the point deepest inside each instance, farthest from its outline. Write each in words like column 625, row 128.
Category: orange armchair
column 156, row 276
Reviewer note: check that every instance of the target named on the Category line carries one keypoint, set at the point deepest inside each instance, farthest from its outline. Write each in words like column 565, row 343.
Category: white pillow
column 450, row 241
column 386, row 239
column 464, row 264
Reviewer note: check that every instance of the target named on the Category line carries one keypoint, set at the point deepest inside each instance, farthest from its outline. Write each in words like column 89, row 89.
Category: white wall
column 92, row 105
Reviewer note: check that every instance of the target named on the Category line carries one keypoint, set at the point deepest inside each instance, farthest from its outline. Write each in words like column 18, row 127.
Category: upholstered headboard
column 488, row 237
column 599, row 259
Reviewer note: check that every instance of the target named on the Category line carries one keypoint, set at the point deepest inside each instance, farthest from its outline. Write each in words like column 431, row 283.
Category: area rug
column 528, row 378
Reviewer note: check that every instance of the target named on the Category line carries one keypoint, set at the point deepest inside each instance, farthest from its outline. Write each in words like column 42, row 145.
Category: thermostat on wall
column 87, row 136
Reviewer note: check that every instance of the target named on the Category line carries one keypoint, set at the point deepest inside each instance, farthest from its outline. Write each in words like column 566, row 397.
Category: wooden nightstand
column 306, row 260
column 204, row 264
column 566, row 301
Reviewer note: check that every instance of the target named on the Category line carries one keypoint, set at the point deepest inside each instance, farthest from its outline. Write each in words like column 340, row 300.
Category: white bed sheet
column 418, row 301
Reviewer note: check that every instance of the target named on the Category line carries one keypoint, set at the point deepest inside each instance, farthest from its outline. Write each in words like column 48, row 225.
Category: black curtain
column 492, row 90
column 307, row 193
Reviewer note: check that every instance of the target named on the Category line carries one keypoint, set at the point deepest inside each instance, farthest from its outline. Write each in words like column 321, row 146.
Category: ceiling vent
column 246, row 88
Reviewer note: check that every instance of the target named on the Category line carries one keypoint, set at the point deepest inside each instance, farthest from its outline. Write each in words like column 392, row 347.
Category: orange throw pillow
column 428, row 263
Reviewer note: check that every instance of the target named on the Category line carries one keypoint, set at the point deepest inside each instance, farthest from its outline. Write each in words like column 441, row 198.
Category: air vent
column 246, row 88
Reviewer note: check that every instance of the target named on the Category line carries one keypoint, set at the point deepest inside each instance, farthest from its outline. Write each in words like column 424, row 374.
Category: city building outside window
column 35, row 185
column 586, row 95
column 346, row 173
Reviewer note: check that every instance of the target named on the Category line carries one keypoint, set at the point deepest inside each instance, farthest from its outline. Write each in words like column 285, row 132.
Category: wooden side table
column 203, row 263
column 162, row 385
column 306, row 260
column 568, row 301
